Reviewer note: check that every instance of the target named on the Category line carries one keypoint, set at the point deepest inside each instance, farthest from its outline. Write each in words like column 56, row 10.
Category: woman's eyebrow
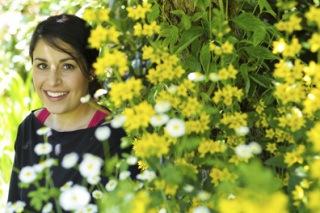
column 61, row 60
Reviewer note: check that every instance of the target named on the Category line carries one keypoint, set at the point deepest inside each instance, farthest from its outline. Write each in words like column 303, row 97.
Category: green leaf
column 249, row 22
column 192, row 63
column 260, row 52
column 205, row 57
column 264, row 4
column 258, row 35
column 177, row 12
column 262, row 80
column 197, row 16
column 276, row 161
column 268, row 97
column 155, row 12
column 202, row 4
column 187, row 38
column 245, row 76
column 170, row 32
column 185, row 22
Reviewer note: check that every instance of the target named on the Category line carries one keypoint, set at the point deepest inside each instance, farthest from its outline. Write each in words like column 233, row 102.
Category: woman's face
column 58, row 79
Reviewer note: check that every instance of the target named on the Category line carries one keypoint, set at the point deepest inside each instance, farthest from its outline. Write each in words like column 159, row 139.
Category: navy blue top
column 79, row 141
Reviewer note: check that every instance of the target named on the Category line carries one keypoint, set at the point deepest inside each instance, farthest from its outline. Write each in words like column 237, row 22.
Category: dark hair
column 75, row 32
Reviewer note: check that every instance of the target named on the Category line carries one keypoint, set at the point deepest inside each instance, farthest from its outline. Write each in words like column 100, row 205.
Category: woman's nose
column 54, row 76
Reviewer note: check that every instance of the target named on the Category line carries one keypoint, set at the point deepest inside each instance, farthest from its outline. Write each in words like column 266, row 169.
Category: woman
column 62, row 75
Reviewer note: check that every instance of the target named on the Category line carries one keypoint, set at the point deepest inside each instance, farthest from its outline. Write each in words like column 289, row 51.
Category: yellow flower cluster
column 313, row 14
column 227, row 73
column 110, row 60
column 208, row 146
column 139, row 11
column 225, row 48
column 295, row 156
column 287, row 50
column 219, row 175
column 294, row 120
column 293, row 24
column 200, row 125
column 146, row 29
column 227, row 94
column 125, row 91
column 313, row 136
column 250, row 203
column 234, row 121
column 290, row 92
column 167, row 68
column 101, row 34
column 100, row 14
column 150, row 145
column 141, row 112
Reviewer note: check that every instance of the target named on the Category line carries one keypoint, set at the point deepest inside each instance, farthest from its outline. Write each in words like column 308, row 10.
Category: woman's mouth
column 52, row 94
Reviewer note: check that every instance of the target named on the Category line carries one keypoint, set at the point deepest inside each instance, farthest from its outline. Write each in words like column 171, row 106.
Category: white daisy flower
column 93, row 180
column 90, row 165
column 255, row 147
column 111, row 185
column 147, row 175
column 91, row 208
column 49, row 162
column 176, row 127
column 85, row 99
column 132, row 160
column 203, row 195
column 159, row 120
column 162, row 107
column 231, row 196
column 242, row 131
column 118, row 121
column 70, row 160
column 102, row 133
column 74, row 198
column 243, row 151
column 214, row 77
column 43, row 148
column 17, row 206
column 124, row 175
column 196, row 76
column 100, row 92
column 66, row 186
column 97, row 194
column 188, row 188
column 27, row 174
column 172, row 89
column 43, row 131
column 201, row 209
column 162, row 210
column 47, row 208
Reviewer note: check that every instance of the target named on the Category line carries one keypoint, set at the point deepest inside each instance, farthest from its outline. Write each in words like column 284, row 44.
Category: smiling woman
column 62, row 76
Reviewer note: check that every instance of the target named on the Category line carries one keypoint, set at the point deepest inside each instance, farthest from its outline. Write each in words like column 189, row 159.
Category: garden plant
column 219, row 98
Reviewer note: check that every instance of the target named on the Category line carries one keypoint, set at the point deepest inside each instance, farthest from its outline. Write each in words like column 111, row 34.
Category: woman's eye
column 68, row 67
column 42, row 66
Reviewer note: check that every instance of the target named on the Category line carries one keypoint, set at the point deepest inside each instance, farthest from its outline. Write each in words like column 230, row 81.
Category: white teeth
column 56, row 94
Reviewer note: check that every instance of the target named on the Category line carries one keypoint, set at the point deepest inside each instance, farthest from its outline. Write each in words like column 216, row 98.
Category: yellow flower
column 141, row 112
column 291, row 25
column 190, row 107
column 227, row 47
column 97, row 36
column 227, row 94
column 113, row 34
column 293, row 157
column 103, row 14
column 293, row 49
column 294, row 120
column 279, row 46
column 313, row 14
column 124, row 91
column 140, row 202
column 297, row 194
column 234, row 121
column 313, row 136
column 219, row 175
column 89, row 15
column 272, row 148
column 314, row 42
column 313, row 203
column 150, row 29
column 137, row 29
column 150, row 145
column 139, row 11
column 209, row 146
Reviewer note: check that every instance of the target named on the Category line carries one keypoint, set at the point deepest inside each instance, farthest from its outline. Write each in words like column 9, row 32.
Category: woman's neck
column 73, row 120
